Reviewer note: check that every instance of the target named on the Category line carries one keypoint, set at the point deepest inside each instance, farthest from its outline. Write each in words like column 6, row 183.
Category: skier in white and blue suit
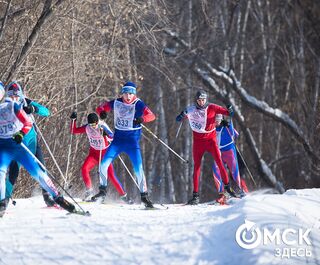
column 129, row 112
column 14, row 125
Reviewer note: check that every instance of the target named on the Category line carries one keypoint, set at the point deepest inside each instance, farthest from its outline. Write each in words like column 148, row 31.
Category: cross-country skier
column 226, row 135
column 129, row 112
column 14, row 125
column 201, row 116
column 30, row 140
column 100, row 136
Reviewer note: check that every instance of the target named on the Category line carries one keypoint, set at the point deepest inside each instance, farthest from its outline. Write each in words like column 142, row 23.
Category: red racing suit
column 202, row 123
column 97, row 142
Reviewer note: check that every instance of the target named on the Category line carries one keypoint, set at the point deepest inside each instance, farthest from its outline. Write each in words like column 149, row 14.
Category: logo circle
column 248, row 236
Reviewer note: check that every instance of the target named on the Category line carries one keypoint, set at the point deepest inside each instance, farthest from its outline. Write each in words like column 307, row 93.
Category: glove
column 30, row 109
column 230, row 109
column 103, row 115
column 18, row 137
column 138, row 121
column 224, row 123
column 180, row 116
column 73, row 116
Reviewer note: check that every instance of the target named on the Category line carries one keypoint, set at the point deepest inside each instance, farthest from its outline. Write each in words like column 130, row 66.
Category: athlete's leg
column 136, row 159
column 112, row 151
column 197, row 151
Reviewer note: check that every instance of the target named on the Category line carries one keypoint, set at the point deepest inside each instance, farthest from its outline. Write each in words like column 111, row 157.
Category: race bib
column 124, row 115
column 9, row 123
column 198, row 119
column 95, row 137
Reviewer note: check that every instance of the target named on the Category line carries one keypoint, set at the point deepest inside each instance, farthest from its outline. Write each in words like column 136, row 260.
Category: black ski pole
column 241, row 156
column 51, row 176
column 246, row 166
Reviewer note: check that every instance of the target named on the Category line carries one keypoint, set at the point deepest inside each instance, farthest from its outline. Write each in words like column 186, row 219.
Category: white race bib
column 198, row 119
column 9, row 123
column 95, row 136
column 124, row 115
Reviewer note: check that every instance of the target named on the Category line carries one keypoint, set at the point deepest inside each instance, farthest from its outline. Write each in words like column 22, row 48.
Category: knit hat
column 92, row 118
column 129, row 87
column 201, row 94
column 14, row 89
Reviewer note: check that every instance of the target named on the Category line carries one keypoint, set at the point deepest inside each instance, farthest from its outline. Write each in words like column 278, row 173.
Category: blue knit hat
column 129, row 87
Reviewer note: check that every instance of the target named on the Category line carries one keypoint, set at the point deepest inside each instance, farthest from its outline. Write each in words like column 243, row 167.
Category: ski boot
column 63, row 203
column 125, row 198
column 230, row 190
column 3, row 206
column 88, row 195
column 195, row 199
column 101, row 195
column 222, row 199
column 47, row 198
column 145, row 199
column 242, row 194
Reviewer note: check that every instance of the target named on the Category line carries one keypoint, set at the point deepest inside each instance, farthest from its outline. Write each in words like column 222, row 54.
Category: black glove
column 138, row 121
column 103, row 115
column 73, row 116
column 224, row 123
column 230, row 109
column 180, row 116
column 18, row 137
column 30, row 109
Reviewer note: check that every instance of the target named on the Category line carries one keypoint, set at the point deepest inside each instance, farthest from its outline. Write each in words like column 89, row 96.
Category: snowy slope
column 122, row 234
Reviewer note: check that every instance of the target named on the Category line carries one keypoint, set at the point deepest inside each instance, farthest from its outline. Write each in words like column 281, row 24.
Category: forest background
column 261, row 56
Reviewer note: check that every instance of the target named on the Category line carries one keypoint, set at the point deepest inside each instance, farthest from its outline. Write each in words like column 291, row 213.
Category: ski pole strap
column 181, row 158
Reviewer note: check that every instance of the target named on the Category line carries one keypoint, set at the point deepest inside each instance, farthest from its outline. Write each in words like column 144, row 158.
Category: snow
column 126, row 234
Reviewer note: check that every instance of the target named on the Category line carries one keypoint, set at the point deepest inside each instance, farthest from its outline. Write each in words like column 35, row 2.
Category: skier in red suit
column 100, row 136
column 201, row 116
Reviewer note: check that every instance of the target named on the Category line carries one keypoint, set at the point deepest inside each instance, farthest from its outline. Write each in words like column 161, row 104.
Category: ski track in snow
column 124, row 234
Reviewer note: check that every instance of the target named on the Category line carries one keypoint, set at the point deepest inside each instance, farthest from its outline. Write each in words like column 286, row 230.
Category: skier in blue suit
column 14, row 125
column 30, row 140
column 129, row 112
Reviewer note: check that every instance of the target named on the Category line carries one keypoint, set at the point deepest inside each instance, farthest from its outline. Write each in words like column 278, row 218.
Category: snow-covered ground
column 122, row 234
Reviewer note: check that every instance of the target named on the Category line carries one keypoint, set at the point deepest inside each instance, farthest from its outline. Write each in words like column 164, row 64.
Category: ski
column 80, row 212
column 159, row 207
column 229, row 202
